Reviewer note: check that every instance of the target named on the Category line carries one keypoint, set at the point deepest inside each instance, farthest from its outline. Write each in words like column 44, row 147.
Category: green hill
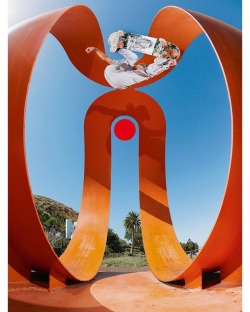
column 53, row 217
column 50, row 207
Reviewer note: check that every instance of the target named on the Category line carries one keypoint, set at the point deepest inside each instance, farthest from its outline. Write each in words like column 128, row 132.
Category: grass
column 125, row 261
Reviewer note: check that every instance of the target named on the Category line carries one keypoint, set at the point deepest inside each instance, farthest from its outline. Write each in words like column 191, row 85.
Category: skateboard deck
column 157, row 47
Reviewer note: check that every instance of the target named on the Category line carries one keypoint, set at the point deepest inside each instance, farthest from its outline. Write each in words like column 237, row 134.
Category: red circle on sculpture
column 124, row 129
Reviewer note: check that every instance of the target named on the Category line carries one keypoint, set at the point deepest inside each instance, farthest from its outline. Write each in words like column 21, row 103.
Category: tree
column 57, row 240
column 190, row 248
column 138, row 241
column 132, row 224
column 113, row 242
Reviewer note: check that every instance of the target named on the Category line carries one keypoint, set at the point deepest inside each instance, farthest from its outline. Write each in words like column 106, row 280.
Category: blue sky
column 195, row 104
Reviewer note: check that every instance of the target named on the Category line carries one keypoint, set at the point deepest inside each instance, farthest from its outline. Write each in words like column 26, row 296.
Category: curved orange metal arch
column 76, row 28
column 222, row 251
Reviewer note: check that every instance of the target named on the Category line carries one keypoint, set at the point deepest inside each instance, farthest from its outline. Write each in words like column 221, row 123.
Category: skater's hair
column 134, row 67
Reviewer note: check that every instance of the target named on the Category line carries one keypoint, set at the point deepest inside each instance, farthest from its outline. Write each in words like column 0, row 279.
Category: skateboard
column 157, row 47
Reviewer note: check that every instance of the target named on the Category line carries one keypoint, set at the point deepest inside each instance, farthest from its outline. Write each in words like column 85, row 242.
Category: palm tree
column 132, row 223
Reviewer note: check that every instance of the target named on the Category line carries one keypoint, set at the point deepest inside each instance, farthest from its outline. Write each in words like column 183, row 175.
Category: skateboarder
column 121, row 74
column 158, row 47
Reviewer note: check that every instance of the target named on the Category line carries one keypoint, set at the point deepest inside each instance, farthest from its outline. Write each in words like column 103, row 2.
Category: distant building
column 70, row 228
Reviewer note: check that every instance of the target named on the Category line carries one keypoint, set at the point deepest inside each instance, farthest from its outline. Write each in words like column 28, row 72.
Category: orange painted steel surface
column 76, row 28
column 139, row 291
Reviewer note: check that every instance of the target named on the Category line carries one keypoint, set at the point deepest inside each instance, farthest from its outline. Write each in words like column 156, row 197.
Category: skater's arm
column 101, row 54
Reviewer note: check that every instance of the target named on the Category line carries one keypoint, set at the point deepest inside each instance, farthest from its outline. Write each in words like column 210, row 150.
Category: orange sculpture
column 77, row 28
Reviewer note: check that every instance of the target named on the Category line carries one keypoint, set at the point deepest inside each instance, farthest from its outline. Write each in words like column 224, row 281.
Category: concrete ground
column 122, row 292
